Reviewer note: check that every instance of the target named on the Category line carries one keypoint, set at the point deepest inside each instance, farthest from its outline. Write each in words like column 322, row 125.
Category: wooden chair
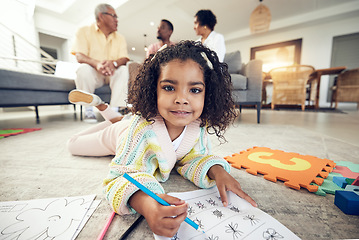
column 289, row 84
column 346, row 88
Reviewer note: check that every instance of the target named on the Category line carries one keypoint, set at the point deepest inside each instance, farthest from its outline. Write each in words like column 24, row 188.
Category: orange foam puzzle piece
column 294, row 169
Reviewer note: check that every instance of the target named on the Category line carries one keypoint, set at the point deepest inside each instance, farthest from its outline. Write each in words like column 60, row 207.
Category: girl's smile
column 180, row 113
column 180, row 94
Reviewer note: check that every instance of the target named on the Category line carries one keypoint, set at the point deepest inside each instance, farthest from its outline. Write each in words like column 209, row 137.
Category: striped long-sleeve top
column 146, row 153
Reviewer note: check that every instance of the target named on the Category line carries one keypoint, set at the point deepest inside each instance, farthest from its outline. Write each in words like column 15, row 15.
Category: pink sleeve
column 150, row 50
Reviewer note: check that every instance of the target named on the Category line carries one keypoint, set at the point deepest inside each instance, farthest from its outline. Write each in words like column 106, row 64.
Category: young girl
column 180, row 96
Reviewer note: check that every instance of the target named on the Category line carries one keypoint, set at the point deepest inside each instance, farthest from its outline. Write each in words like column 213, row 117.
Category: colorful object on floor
column 352, row 188
column 352, row 166
column 340, row 181
column 356, row 182
column 15, row 131
column 345, row 172
column 349, row 181
column 331, row 183
column 294, row 169
column 347, row 201
column 328, row 185
column 343, row 181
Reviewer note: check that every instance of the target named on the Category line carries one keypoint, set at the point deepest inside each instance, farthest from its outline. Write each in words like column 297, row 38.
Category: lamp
column 260, row 19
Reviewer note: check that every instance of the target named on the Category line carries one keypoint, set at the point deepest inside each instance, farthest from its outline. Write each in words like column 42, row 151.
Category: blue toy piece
column 347, row 201
column 352, row 188
column 340, row 181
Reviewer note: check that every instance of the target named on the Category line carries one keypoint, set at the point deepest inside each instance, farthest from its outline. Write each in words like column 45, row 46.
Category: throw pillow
column 233, row 61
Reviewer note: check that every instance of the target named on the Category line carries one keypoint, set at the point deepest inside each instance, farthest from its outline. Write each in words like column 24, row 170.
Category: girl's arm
column 118, row 190
column 225, row 182
column 195, row 167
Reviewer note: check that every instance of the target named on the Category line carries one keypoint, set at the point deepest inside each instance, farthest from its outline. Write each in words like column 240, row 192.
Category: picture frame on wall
column 278, row 54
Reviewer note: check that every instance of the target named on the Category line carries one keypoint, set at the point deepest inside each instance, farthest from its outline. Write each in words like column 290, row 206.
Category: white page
column 239, row 220
column 89, row 213
column 53, row 218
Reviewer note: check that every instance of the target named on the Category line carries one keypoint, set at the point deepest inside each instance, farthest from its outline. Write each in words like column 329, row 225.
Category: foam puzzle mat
column 15, row 131
column 349, row 171
column 294, row 169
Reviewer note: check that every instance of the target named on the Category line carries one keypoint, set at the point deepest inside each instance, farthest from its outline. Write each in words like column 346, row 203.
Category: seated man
column 164, row 32
column 102, row 52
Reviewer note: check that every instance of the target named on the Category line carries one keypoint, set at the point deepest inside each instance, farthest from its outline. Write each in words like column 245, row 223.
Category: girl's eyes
column 169, row 88
column 196, row 90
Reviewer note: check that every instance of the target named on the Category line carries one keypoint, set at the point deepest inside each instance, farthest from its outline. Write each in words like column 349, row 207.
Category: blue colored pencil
column 158, row 199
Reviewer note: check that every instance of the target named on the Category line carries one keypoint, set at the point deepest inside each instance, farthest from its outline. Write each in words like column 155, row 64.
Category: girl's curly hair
column 218, row 111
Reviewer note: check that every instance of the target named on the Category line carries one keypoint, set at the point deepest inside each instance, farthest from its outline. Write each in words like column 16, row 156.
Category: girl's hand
column 225, row 182
column 163, row 220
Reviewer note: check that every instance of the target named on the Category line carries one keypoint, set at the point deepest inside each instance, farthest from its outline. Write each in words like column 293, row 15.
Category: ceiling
column 136, row 16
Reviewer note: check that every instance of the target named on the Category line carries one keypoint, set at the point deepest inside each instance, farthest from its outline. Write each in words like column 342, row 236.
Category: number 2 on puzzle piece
column 294, row 169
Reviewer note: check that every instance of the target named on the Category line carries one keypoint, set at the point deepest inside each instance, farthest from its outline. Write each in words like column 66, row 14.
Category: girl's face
column 180, row 93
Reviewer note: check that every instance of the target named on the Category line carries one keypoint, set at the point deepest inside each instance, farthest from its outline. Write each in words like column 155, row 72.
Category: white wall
column 52, row 26
column 16, row 18
column 316, row 43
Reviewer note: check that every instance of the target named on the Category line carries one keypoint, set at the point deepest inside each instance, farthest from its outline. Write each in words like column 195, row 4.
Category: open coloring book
column 239, row 220
column 52, row 218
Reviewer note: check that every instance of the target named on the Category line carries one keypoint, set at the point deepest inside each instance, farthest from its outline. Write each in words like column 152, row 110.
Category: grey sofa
column 21, row 89
column 246, row 80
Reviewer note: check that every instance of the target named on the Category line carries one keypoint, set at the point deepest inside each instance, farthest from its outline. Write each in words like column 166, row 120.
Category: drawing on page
column 212, row 237
column 233, row 228
column 212, row 202
column 236, row 221
column 45, row 223
column 235, row 209
column 252, row 218
column 199, row 223
column 190, row 210
column 218, row 213
column 200, row 205
column 175, row 237
column 271, row 234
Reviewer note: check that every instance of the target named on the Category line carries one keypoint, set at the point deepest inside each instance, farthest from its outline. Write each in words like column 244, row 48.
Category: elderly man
column 102, row 52
column 164, row 32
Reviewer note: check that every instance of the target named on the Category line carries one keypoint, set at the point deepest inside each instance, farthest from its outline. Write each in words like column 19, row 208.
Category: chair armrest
column 253, row 71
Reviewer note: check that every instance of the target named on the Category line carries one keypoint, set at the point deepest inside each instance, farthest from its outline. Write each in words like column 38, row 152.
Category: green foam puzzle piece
column 10, row 131
column 328, row 185
column 333, row 174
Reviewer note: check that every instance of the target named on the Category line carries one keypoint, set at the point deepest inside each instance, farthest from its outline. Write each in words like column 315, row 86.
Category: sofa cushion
column 104, row 93
column 239, row 82
column 31, row 81
column 234, row 61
